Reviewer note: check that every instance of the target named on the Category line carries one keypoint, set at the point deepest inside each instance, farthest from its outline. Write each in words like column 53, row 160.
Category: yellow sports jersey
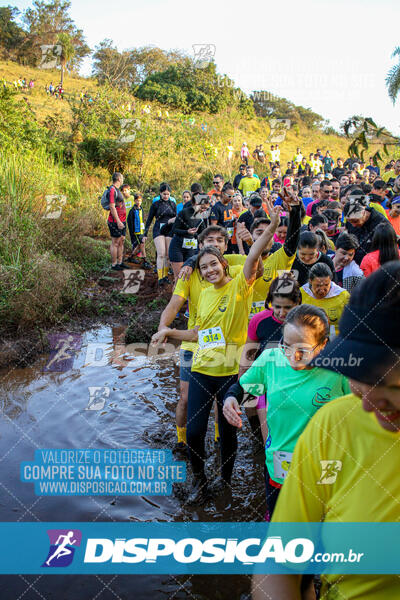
column 388, row 175
column 333, row 304
column 337, row 475
column 248, row 185
column 274, row 265
column 222, row 318
column 191, row 289
column 306, row 220
column 379, row 208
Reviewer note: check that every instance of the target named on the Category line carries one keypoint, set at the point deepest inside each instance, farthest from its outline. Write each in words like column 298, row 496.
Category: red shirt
column 117, row 199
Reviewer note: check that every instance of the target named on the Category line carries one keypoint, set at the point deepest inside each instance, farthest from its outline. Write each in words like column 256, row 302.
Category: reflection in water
column 112, row 397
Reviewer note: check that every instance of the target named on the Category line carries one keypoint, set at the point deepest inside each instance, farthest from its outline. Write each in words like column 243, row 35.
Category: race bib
column 141, row 227
column 128, row 204
column 282, row 462
column 189, row 243
column 211, row 338
column 256, row 307
column 230, row 231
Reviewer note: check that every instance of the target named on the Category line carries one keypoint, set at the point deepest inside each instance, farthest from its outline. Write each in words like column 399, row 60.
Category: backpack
column 105, row 199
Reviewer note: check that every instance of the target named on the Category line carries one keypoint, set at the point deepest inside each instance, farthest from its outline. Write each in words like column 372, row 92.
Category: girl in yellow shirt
column 323, row 292
column 220, row 334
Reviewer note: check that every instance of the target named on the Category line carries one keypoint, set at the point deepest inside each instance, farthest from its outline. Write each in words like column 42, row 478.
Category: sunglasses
column 215, row 182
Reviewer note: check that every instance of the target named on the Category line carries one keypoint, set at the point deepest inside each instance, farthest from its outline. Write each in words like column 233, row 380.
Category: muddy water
column 50, row 410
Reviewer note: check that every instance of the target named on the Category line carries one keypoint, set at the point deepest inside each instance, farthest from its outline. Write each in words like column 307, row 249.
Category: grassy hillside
column 173, row 130
column 54, row 147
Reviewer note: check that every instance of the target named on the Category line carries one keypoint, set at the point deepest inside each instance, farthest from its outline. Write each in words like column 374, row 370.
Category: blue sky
column 331, row 56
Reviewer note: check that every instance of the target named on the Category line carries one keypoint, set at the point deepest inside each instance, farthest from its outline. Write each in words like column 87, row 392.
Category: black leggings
column 202, row 390
column 271, row 493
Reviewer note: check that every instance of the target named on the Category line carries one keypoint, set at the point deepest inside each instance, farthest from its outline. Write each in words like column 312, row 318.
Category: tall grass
column 43, row 262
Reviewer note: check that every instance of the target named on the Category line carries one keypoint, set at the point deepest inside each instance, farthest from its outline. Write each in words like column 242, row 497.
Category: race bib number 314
column 211, row 338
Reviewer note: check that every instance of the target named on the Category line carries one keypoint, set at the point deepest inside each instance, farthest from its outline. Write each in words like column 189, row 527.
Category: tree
column 393, row 78
column 190, row 89
column 364, row 131
column 67, row 52
column 269, row 105
column 115, row 68
column 150, row 59
column 11, row 35
column 45, row 22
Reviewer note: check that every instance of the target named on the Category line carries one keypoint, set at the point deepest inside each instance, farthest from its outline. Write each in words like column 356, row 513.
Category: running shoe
column 186, row 315
column 199, row 491
column 146, row 265
column 116, row 268
column 220, row 486
column 124, row 266
column 181, row 448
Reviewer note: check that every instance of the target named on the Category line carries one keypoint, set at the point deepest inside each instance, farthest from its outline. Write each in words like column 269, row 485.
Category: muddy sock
column 160, row 274
column 181, row 432
column 165, row 272
column 216, row 431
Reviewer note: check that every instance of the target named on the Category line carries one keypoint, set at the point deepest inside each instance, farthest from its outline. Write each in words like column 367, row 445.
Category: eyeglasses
column 230, row 195
column 290, row 351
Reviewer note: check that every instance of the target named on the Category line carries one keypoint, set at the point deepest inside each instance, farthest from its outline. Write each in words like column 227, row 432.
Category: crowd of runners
column 291, row 284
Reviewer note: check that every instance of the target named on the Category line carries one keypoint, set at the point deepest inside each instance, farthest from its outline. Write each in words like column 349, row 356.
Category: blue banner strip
column 195, row 548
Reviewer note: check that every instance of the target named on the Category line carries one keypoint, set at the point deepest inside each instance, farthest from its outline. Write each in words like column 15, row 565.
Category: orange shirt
column 395, row 221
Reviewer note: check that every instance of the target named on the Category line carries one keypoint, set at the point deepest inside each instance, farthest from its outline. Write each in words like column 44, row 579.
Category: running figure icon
column 62, row 549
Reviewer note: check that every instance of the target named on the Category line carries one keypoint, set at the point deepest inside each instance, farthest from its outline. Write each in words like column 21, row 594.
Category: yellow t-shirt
column 344, row 469
column 191, row 289
column 274, row 265
column 379, row 208
column 333, row 305
column 388, row 175
column 248, row 185
column 223, row 319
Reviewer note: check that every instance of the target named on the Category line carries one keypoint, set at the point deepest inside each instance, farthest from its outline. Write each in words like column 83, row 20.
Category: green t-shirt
column 293, row 398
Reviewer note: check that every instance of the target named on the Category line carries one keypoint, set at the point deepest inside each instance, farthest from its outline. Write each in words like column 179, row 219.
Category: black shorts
column 137, row 239
column 115, row 232
column 177, row 253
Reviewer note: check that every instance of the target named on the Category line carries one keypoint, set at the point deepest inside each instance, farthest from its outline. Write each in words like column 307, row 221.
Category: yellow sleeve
column 379, row 208
column 182, row 288
column 240, row 186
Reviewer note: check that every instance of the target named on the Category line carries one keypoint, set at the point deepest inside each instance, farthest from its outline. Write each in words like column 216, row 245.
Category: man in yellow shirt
column 345, row 464
column 250, row 183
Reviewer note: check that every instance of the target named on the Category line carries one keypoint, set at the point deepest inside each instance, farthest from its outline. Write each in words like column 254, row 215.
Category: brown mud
column 107, row 304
